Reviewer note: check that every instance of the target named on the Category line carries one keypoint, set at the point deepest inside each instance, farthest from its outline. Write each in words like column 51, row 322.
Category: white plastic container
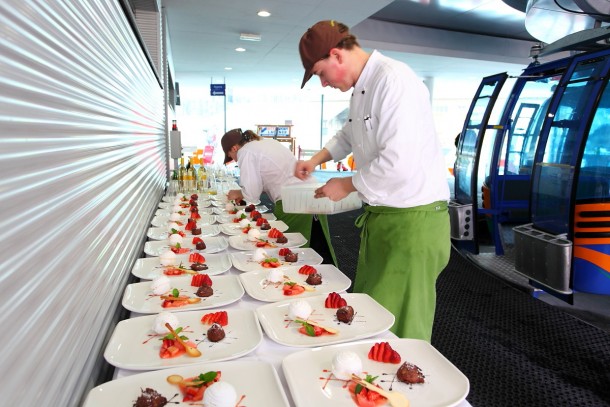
column 299, row 198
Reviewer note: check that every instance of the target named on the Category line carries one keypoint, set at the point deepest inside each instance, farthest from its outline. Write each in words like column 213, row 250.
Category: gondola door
column 469, row 171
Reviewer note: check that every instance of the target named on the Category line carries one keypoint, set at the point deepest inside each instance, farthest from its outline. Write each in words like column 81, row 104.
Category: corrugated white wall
column 82, row 166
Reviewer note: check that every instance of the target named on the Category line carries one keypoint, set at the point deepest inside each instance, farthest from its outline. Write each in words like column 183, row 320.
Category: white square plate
column 214, row 244
column 259, row 288
column 233, row 229
column 134, row 345
column 162, row 221
column 243, row 260
column 162, row 233
column 266, row 390
column 138, row 297
column 370, row 318
column 149, row 268
column 242, row 242
column 308, row 374
column 228, row 218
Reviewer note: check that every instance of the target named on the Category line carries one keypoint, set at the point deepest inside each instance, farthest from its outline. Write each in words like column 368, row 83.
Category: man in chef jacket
column 401, row 177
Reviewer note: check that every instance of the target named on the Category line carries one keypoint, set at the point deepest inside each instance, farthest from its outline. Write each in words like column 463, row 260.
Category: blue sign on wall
column 217, row 89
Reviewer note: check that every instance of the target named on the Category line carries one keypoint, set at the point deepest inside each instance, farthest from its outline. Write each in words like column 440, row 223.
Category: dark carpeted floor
column 515, row 350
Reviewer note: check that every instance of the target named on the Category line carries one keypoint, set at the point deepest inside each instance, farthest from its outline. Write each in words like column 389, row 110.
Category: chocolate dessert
column 249, row 208
column 200, row 245
column 204, row 291
column 410, row 374
column 199, row 266
column 256, row 216
column 150, row 398
column 193, row 202
column 345, row 314
column 314, row 279
column 216, row 333
column 291, row 257
column 281, row 240
column 265, row 226
column 195, row 196
column 196, row 231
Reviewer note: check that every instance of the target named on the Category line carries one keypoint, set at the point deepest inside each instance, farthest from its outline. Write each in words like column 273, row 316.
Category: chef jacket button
column 363, row 92
column 350, row 120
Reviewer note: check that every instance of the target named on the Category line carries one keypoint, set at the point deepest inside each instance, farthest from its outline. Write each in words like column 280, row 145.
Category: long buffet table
column 268, row 351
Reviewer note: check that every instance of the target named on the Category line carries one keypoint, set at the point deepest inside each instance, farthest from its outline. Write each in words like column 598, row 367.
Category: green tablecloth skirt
column 402, row 252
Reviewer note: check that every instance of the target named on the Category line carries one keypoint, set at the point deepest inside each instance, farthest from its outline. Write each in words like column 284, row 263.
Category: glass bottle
column 192, row 176
column 181, row 175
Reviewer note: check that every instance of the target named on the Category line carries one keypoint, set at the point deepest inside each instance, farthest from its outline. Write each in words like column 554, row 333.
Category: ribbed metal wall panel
column 82, row 167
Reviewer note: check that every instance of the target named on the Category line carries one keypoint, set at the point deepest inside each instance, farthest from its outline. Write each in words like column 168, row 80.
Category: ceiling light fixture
column 249, row 37
column 240, row 49
column 228, row 68
column 263, row 13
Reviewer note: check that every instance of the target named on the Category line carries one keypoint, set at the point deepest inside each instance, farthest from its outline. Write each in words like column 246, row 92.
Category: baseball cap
column 229, row 139
column 317, row 42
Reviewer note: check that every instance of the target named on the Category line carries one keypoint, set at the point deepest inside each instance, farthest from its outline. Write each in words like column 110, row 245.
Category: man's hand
column 304, row 169
column 235, row 195
column 336, row 189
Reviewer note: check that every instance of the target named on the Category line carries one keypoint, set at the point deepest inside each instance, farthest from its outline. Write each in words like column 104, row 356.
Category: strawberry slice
column 284, row 251
column 307, row 270
column 383, row 352
column 190, row 225
column 274, row 233
column 199, row 279
column 220, row 317
column 334, row 300
column 196, row 240
column 196, row 257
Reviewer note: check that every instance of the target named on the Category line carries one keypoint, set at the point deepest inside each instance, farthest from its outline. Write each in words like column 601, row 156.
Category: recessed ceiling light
column 228, row 68
column 263, row 13
column 240, row 49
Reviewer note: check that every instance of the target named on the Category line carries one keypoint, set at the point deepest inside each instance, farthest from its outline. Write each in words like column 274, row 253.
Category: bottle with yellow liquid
column 201, row 179
column 181, row 176
column 192, row 176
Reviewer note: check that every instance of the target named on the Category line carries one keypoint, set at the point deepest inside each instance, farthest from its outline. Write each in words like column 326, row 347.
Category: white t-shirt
column 265, row 166
column 391, row 132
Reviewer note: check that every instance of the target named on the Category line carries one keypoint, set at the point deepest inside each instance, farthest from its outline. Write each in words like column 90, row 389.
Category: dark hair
column 349, row 41
column 248, row 136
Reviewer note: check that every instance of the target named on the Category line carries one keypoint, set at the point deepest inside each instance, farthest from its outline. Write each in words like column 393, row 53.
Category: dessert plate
column 162, row 221
column 309, row 378
column 259, row 288
column 138, row 297
column 242, row 242
column 228, row 218
column 233, row 229
column 135, row 345
column 214, row 244
column 166, row 212
column 243, row 261
column 266, row 390
column 370, row 318
column 149, row 268
column 162, row 233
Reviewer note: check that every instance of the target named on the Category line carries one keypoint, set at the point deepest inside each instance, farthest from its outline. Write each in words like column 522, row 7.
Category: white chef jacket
column 265, row 165
column 391, row 132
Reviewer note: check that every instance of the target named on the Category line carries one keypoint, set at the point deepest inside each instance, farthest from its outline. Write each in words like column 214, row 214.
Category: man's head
column 230, row 139
column 318, row 41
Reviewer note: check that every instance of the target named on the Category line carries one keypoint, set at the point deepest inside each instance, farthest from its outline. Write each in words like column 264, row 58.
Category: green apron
column 302, row 223
column 402, row 252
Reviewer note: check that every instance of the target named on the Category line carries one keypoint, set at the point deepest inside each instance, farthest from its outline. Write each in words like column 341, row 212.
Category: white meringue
column 299, row 309
column 220, row 394
column 160, row 285
column 346, row 363
column 254, row 234
column 168, row 258
column 175, row 239
column 275, row 275
column 259, row 255
column 163, row 318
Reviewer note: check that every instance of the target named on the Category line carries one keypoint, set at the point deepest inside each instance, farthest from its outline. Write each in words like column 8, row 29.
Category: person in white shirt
column 405, row 237
column 265, row 166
